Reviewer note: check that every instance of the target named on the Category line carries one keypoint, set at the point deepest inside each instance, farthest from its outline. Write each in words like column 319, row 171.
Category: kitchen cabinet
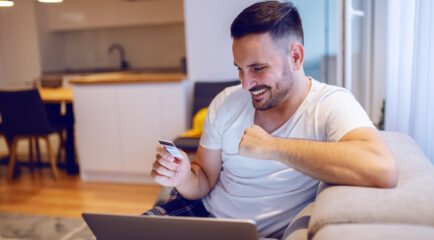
column 118, row 125
column 84, row 14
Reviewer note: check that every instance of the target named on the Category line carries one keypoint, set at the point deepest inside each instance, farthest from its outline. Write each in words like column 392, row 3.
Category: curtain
column 410, row 71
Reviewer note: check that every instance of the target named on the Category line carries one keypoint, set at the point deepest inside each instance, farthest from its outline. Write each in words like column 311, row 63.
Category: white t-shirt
column 270, row 192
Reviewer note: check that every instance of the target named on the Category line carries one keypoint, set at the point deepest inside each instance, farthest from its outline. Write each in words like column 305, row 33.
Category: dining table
column 55, row 97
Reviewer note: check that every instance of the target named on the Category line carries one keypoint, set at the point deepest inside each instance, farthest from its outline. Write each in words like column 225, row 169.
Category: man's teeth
column 259, row 91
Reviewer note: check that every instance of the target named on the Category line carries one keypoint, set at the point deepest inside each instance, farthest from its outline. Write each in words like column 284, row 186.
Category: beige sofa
column 347, row 212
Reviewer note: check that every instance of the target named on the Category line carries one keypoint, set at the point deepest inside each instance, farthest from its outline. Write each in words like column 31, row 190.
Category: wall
column 208, row 39
column 50, row 45
column 19, row 53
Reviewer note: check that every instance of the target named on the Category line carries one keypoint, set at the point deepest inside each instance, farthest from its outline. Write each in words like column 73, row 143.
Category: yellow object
column 198, row 120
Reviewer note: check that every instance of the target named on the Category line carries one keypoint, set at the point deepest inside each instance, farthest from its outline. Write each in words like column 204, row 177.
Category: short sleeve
column 211, row 137
column 341, row 114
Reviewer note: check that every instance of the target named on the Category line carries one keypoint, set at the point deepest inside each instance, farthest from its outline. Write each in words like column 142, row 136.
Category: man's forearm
column 346, row 162
column 205, row 170
column 196, row 185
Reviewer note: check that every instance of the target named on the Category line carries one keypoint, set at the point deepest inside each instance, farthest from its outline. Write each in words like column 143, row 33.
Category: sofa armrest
column 410, row 202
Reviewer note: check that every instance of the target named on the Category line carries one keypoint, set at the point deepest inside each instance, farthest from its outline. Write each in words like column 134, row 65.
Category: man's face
column 264, row 69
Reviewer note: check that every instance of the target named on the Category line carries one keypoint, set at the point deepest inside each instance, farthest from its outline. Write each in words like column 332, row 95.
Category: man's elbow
column 387, row 175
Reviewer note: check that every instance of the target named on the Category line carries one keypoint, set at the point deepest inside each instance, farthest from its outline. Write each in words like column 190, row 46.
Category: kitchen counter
column 120, row 116
column 128, row 77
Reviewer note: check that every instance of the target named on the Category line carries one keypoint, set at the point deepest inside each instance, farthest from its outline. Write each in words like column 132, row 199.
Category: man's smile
column 258, row 92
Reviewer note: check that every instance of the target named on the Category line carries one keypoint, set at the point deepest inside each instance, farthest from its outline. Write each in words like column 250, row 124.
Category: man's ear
column 296, row 56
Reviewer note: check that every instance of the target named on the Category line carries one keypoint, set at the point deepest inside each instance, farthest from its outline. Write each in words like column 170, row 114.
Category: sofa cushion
column 410, row 202
column 374, row 232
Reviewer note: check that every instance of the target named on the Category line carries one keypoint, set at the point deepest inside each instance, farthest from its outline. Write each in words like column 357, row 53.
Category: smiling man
column 268, row 142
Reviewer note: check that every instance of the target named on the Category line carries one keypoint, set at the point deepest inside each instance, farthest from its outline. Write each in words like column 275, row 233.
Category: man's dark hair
column 281, row 19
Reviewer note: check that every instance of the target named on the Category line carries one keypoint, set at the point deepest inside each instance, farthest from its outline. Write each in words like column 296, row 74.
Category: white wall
column 50, row 45
column 19, row 53
column 208, row 38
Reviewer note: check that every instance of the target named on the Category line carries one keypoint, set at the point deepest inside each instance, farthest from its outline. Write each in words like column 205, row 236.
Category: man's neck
column 271, row 119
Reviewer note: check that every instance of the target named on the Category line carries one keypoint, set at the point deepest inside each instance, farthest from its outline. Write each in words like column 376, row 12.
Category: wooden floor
column 39, row 193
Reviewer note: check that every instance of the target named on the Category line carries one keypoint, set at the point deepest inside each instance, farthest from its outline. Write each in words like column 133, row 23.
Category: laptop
column 111, row 227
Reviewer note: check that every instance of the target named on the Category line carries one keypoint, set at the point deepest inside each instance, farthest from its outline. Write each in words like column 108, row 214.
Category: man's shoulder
column 325, row 88
column 324, row 91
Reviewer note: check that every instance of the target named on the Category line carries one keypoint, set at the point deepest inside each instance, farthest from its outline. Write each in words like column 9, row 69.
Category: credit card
column 171, row 148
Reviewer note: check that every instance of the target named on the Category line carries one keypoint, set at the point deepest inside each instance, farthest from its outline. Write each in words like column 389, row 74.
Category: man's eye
column 257, row 69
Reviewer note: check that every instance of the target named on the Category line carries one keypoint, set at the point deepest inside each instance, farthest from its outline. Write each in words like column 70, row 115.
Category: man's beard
column 276, row 96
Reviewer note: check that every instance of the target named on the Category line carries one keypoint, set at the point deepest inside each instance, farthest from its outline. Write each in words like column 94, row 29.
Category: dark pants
column 180, row 206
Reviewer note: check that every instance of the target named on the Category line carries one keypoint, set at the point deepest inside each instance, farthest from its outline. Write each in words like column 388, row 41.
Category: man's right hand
column 168, row 170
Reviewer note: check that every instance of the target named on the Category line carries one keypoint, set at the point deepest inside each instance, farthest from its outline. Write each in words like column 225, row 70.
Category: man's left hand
column 256, row 143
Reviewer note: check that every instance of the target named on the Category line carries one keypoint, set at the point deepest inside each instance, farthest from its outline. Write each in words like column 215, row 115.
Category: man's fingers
column 162, row 170
column 159, row 178
column 246, row 131
column 163, row 153
column 168, row 164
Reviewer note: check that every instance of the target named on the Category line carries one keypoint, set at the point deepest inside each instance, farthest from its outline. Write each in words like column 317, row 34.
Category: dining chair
column 2, row 134
column 24, row 117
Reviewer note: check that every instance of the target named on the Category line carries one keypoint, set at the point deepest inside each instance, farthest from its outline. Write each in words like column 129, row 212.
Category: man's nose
column 247, row 82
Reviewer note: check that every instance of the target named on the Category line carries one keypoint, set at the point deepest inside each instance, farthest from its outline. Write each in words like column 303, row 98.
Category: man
column 267, row 142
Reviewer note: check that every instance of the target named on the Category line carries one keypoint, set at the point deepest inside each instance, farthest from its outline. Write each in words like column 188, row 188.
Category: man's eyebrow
column 255, row 64
column 251, row 65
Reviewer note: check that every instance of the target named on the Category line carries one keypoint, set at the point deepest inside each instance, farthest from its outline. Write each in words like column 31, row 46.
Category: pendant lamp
column 6, row 3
